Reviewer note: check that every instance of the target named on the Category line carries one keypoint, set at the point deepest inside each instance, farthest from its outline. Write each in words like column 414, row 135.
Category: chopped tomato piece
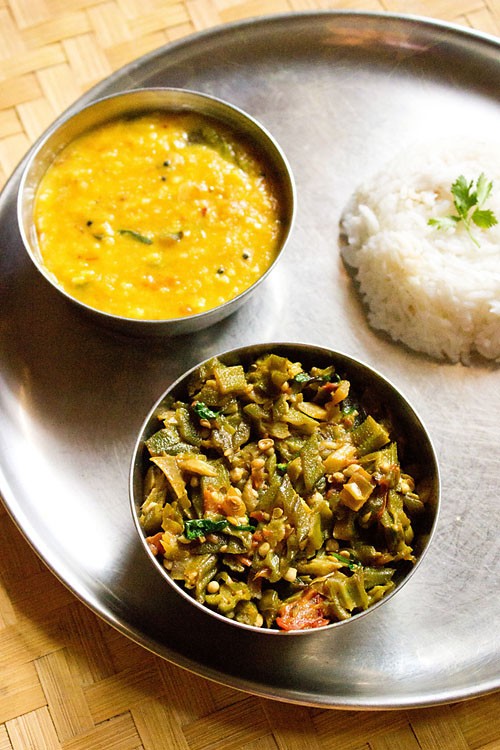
column 155, row 544
column 304, row 613
column 258, row 515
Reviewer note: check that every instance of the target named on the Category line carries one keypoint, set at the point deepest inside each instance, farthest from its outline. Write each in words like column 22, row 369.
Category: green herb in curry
column 137, row 236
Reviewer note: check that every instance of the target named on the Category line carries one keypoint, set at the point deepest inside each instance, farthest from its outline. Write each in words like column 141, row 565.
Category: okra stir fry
column 276, row 498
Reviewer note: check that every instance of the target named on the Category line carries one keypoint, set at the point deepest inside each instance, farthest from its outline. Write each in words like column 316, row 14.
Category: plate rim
column 14, row 509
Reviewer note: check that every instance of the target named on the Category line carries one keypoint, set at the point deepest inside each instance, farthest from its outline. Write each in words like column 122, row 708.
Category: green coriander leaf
column 196, row 527
column 469, row 202
column 136, row 236
column 303, row 377
column 484, row 218
column 484, row 188
column 348, row 407
column 281, row 468
column 446, row 222
column 464, row 196
column 343, row 559
column 204, row 411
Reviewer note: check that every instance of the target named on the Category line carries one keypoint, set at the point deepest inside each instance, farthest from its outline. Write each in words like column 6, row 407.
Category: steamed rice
column 434, row 290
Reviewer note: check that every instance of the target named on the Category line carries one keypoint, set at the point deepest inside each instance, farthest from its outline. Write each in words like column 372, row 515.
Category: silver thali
column 341, row 92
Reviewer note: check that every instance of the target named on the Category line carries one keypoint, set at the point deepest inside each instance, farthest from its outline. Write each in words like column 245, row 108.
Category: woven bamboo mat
column 51, row 51
column 67, row 680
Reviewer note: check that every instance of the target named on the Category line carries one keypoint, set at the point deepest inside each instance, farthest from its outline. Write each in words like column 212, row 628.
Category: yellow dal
column 138, row 219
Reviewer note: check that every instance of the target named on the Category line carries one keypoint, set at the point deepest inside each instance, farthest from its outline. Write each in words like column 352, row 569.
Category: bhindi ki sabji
column 275, row 498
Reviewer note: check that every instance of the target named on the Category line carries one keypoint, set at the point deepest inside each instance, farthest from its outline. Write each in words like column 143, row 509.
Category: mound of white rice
column 433, row 290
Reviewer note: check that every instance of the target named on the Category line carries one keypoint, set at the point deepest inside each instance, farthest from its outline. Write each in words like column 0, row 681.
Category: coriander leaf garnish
column 464, row 197
column 348, row 407
column 303, row 377
column 483, row 189
column 345, row 560
column 136, row 236
column 469, row 201
column 196, row 527
column 204, row 411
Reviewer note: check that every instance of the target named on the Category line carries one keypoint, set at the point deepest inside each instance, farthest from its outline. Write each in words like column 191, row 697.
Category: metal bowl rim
column 219, row 310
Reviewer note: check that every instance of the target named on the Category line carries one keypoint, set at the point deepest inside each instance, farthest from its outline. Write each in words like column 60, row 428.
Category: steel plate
column 340, row 92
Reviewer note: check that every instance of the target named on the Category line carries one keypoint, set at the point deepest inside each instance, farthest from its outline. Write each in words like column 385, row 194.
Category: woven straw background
column 67, row 680
column 51, row 51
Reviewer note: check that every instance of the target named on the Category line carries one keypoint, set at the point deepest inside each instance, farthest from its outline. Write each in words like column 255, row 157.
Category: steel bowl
column 130, row 103
column 415, row 449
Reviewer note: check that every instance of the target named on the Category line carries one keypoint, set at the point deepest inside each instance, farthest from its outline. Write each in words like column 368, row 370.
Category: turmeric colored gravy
column 159, row 216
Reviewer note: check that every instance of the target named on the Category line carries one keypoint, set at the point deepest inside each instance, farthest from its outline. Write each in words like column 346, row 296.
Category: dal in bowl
column 158, row 210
